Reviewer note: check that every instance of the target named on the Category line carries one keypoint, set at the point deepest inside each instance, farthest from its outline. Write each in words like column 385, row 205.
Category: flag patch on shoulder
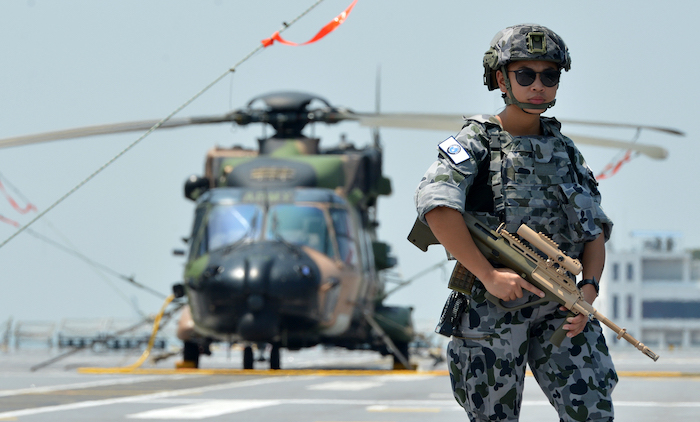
column 454, row 150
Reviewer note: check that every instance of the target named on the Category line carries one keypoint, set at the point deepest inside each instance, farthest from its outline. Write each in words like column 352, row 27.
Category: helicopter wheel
column 248, row 357
column 190, row 355
column 275, row 357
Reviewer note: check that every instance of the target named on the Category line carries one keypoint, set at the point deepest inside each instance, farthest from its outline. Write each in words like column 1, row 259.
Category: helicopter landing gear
column 275, row 357
column 402, row 348
column 191, row 350
column 248, row 357
column 190, row 356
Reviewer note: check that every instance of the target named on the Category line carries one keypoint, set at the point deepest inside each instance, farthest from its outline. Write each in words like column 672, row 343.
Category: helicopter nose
column 257, row 290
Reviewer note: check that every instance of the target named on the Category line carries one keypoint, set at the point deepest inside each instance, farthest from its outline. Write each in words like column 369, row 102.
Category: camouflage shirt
column 542, row 181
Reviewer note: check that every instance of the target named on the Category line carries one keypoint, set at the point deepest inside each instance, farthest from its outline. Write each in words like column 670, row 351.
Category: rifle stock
column 549, row 275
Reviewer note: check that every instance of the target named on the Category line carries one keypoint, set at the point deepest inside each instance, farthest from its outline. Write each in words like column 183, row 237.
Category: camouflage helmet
column 523, row 42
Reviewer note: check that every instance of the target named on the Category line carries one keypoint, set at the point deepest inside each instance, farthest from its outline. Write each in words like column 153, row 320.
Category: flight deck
column 319, row 384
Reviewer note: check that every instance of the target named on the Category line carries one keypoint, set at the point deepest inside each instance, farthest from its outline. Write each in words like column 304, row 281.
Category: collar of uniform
column 486, row 119
column 550, row 126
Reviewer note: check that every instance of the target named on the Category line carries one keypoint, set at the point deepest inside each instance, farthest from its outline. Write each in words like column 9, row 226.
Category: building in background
column 653, row 292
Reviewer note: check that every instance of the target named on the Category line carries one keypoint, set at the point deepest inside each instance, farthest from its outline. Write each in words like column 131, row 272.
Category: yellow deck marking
column 337, row 372
column 279, row 372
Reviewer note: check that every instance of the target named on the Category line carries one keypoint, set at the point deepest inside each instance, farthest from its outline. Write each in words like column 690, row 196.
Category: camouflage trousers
column 488, row 354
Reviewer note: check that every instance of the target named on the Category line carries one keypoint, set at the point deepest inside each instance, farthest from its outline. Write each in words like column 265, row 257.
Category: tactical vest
column 530, row 180
column 526, row 174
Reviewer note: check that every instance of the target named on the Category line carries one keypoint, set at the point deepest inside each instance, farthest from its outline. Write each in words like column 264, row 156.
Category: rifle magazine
column 461, row 280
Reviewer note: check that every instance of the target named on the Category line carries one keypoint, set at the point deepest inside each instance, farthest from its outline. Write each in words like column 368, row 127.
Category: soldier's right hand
column 507, row 285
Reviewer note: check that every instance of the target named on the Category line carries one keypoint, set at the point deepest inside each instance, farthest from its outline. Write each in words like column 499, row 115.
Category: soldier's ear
column 501, row 81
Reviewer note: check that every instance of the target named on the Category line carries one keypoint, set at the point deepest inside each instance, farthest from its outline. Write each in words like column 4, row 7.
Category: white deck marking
column 400, row 409
column 206, row 409
column 345, row 385
column 203, row 408
column 232, row 406
column 403, row 377
column 89, row 384
column 139, row 398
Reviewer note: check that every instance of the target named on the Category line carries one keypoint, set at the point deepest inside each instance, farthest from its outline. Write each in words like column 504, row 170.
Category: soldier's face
column 537, row 92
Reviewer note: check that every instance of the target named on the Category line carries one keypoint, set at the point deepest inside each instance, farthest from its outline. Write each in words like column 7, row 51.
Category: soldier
column 517, row 168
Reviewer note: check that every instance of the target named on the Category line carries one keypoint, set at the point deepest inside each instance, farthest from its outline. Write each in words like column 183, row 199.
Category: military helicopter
column 283, row 249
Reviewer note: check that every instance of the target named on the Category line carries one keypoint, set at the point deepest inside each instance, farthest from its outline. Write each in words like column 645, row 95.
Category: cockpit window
column 299, row 225
column 222, row 225
column 230, row 223
column 344, row 233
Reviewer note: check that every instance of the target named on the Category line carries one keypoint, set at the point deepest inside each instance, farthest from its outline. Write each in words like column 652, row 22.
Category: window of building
column 662, row 269
column 630, row 272
column 630, row 310
column 615, row 271
column 671, row 309
column 615, row 307
column 695, row 338
column 651, row 337
column 674, row 338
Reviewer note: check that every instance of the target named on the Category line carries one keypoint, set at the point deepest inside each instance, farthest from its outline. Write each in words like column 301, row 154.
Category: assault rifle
column 549, row 275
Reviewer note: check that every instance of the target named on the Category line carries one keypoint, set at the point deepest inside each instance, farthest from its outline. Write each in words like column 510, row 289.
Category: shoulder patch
column 454, row 150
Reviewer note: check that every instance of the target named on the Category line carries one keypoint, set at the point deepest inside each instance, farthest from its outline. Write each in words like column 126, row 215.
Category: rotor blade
column 448, row 122
column 454, row 122
column 667, row 130
column 106, row 129
column 651, row 151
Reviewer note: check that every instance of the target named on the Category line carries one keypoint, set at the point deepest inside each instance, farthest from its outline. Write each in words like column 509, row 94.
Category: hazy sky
column 75, row 63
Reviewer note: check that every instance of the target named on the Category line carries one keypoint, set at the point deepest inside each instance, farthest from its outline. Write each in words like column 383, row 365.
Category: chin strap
column 510, row 98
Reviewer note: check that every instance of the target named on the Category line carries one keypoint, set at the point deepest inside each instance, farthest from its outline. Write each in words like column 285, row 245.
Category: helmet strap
column 510, row 98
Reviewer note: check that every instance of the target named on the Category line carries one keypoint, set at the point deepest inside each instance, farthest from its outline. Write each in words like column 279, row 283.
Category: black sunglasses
column 526, row 76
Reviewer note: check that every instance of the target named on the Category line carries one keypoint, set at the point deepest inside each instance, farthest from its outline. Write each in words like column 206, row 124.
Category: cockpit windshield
column 231, row 223
column 300, row 225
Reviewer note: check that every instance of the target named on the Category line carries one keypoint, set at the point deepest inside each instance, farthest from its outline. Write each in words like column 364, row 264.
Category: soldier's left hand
column 576, row 324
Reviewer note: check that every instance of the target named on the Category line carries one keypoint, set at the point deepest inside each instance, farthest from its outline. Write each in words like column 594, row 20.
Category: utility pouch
column 460, row 284
column 451, row 316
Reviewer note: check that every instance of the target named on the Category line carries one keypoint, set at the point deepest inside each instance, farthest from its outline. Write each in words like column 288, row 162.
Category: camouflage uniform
column 541, row 181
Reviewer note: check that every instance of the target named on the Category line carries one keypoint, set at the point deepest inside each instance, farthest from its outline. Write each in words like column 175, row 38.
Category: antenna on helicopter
column 377, row 101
